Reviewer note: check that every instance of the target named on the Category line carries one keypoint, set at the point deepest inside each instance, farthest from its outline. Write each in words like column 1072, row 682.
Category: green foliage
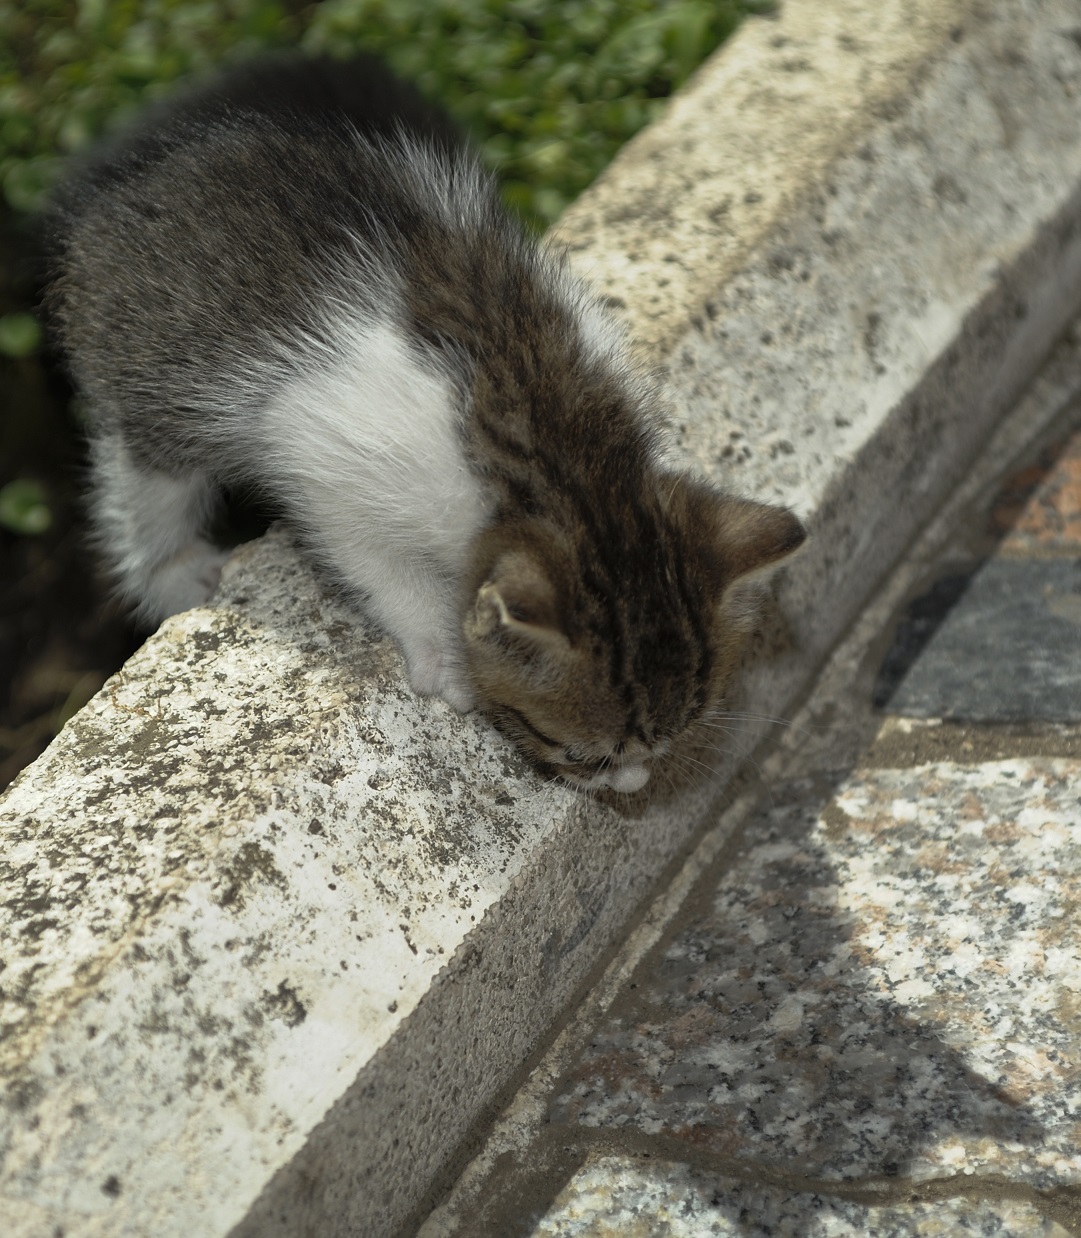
column 69, row 68
column 20, row 335
column 24, row 507
column 550, row 88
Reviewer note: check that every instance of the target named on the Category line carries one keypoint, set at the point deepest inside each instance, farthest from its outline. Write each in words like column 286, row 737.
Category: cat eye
column 528, row 726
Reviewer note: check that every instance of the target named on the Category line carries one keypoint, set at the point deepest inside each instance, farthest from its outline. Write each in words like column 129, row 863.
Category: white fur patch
column 150, row 525
column 367, row 455
column 601, row 335
column 627, row 779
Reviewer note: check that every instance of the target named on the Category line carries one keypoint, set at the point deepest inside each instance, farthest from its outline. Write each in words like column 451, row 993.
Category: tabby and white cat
column 299, row 280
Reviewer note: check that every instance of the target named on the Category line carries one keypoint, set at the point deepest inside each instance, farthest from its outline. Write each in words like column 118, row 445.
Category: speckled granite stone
column 885, row 983
column 1040, row 507
column 612, row 1198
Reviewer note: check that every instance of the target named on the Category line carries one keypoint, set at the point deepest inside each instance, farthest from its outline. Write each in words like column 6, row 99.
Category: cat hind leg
column 150, row 526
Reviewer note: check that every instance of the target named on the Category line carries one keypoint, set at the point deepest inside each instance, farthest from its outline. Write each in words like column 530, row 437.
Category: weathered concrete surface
column 275, row 931
column 753, row 141
column 234, row 887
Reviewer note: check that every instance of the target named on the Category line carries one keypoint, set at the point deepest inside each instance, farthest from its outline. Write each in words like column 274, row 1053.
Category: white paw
column 433, row 673
column 187, row 579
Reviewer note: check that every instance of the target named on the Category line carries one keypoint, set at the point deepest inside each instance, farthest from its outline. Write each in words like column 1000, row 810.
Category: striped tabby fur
column 299, row 280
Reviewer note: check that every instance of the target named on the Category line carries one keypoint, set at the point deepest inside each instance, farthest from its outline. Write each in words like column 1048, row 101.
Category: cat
column 299, row 279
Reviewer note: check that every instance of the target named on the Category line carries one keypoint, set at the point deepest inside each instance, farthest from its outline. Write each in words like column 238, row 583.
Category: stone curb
column 276, row 932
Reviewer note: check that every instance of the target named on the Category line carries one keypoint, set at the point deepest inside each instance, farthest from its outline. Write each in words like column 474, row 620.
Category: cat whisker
column 686, row 762
column 795, row 727
column 740, row 757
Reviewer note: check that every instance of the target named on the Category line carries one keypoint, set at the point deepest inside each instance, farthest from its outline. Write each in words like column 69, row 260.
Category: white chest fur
column 367, row 455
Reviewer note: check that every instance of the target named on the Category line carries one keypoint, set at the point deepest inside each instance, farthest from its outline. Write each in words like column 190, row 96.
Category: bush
column 549, row 88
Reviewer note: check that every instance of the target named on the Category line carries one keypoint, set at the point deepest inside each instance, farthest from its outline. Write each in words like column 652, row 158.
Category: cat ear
column 739, row 535
column 518, row 599
column 752, row 536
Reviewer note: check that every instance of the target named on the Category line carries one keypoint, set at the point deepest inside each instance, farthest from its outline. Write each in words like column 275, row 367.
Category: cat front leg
column 414, row 600
column 433, row 673
column 150, row 527
column 421, row 616
column 189, row 578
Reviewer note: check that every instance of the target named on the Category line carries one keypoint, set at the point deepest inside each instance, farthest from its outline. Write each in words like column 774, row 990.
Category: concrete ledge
column 275, row 932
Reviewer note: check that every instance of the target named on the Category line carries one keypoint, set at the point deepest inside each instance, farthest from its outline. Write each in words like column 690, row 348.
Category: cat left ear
column 741, row 536
column 519, row 600
column 752, row 536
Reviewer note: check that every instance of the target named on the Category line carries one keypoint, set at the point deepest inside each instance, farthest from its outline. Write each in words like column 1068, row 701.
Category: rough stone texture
column 200, row 1036
column 227, row 887
column 612, row 1198
column 239, row 874
column 766, row 133
column 846, row 1007
column 722, row 173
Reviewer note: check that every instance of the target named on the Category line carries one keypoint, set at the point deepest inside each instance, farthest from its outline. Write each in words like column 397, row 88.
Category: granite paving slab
column 1009, row 650
column 886, row 982
column 1000, row 640
column 1039, row 508
column 613, row 1197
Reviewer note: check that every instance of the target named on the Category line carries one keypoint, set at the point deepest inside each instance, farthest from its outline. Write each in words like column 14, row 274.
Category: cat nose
column 628, row 778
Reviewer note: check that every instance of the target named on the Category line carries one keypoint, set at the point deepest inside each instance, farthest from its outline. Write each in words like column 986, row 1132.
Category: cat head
column 596, row 653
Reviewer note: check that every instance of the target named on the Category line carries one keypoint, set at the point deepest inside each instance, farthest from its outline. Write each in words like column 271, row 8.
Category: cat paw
column 432, row 673
column 188, row 579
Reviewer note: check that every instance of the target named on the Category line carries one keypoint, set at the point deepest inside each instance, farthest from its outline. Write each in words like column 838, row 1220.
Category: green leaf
column 24, row 507
column 20, row 335
column 26, row 182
